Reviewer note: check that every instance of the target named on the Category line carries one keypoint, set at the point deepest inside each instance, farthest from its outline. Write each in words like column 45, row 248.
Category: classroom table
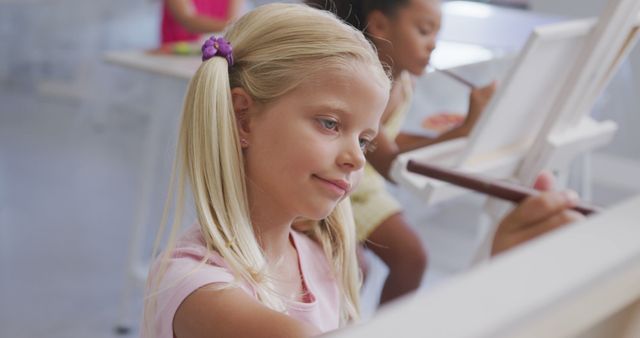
column 178, row 66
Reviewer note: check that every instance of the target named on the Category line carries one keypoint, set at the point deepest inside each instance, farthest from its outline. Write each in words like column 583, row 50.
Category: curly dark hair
column 355, row 12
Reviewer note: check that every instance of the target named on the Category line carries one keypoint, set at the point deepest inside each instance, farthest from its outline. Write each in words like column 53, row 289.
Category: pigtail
column 211, row 151
column 209, row 157
column 337, row 236
column 342, row 223
column 213, row 158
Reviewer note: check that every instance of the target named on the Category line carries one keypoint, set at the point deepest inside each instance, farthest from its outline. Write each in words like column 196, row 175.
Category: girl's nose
column 431, row 45
column 352, row 157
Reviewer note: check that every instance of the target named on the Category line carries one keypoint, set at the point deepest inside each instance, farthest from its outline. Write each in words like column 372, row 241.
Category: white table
column 170, row 65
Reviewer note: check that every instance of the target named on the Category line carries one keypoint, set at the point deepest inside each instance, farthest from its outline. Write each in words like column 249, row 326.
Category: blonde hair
column 276, row 47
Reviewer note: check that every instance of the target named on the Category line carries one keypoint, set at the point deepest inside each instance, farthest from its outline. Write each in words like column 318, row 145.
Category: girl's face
column 412, row 32
column 306, row 149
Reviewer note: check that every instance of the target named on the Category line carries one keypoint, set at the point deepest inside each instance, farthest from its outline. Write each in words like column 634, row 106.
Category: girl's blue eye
column 329, row 124
column 364, row 144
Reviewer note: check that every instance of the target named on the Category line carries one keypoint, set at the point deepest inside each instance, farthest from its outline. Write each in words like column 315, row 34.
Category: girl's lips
column 344, row 185
column 341, row 186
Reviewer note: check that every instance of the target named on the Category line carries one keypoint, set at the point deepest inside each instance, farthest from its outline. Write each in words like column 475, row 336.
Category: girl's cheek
column 357, row 177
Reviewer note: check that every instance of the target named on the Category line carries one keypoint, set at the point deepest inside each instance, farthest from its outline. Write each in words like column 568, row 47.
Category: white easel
column 537, row 122
column 568, row 131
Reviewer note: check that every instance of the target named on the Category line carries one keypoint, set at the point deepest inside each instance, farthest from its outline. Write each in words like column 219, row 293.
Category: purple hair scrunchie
column 217, row 46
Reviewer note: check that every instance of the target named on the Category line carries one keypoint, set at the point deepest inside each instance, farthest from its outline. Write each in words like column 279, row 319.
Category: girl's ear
column 378, row 25
column 242, row 104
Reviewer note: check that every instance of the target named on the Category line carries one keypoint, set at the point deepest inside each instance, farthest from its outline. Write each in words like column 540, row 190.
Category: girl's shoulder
column 190, row 264
column 191, row 245
column 187, row 268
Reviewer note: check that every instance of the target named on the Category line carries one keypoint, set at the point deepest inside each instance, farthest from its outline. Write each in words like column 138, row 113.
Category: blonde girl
column 273, row 132
column 275, row 125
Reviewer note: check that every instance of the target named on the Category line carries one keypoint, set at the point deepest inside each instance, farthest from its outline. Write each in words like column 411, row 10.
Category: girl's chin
column 418, row 70
column 423, row 66
column 321, row 214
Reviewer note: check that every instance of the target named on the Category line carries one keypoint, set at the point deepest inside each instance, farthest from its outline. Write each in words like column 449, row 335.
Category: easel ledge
column 581, row 280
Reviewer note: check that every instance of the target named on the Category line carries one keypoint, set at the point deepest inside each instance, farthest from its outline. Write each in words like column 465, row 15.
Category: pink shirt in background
column 172, row 31
column 320, row 310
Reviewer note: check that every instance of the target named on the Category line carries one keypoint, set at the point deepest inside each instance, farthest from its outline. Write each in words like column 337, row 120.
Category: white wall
column 573, row 8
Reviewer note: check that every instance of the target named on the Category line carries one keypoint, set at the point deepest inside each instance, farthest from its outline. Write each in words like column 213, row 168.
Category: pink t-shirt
column 172, row 31
column 320, row 310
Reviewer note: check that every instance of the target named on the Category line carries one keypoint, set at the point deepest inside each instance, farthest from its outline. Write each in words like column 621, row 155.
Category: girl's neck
column 271, row 225
column 274, row 240
column 281, row 255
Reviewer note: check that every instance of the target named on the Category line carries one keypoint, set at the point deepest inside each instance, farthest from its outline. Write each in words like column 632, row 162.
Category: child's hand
column 442, row 122
column 478, row 100
column 536, row 215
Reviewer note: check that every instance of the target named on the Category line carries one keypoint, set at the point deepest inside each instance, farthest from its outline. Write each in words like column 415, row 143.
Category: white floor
column 72, row 139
